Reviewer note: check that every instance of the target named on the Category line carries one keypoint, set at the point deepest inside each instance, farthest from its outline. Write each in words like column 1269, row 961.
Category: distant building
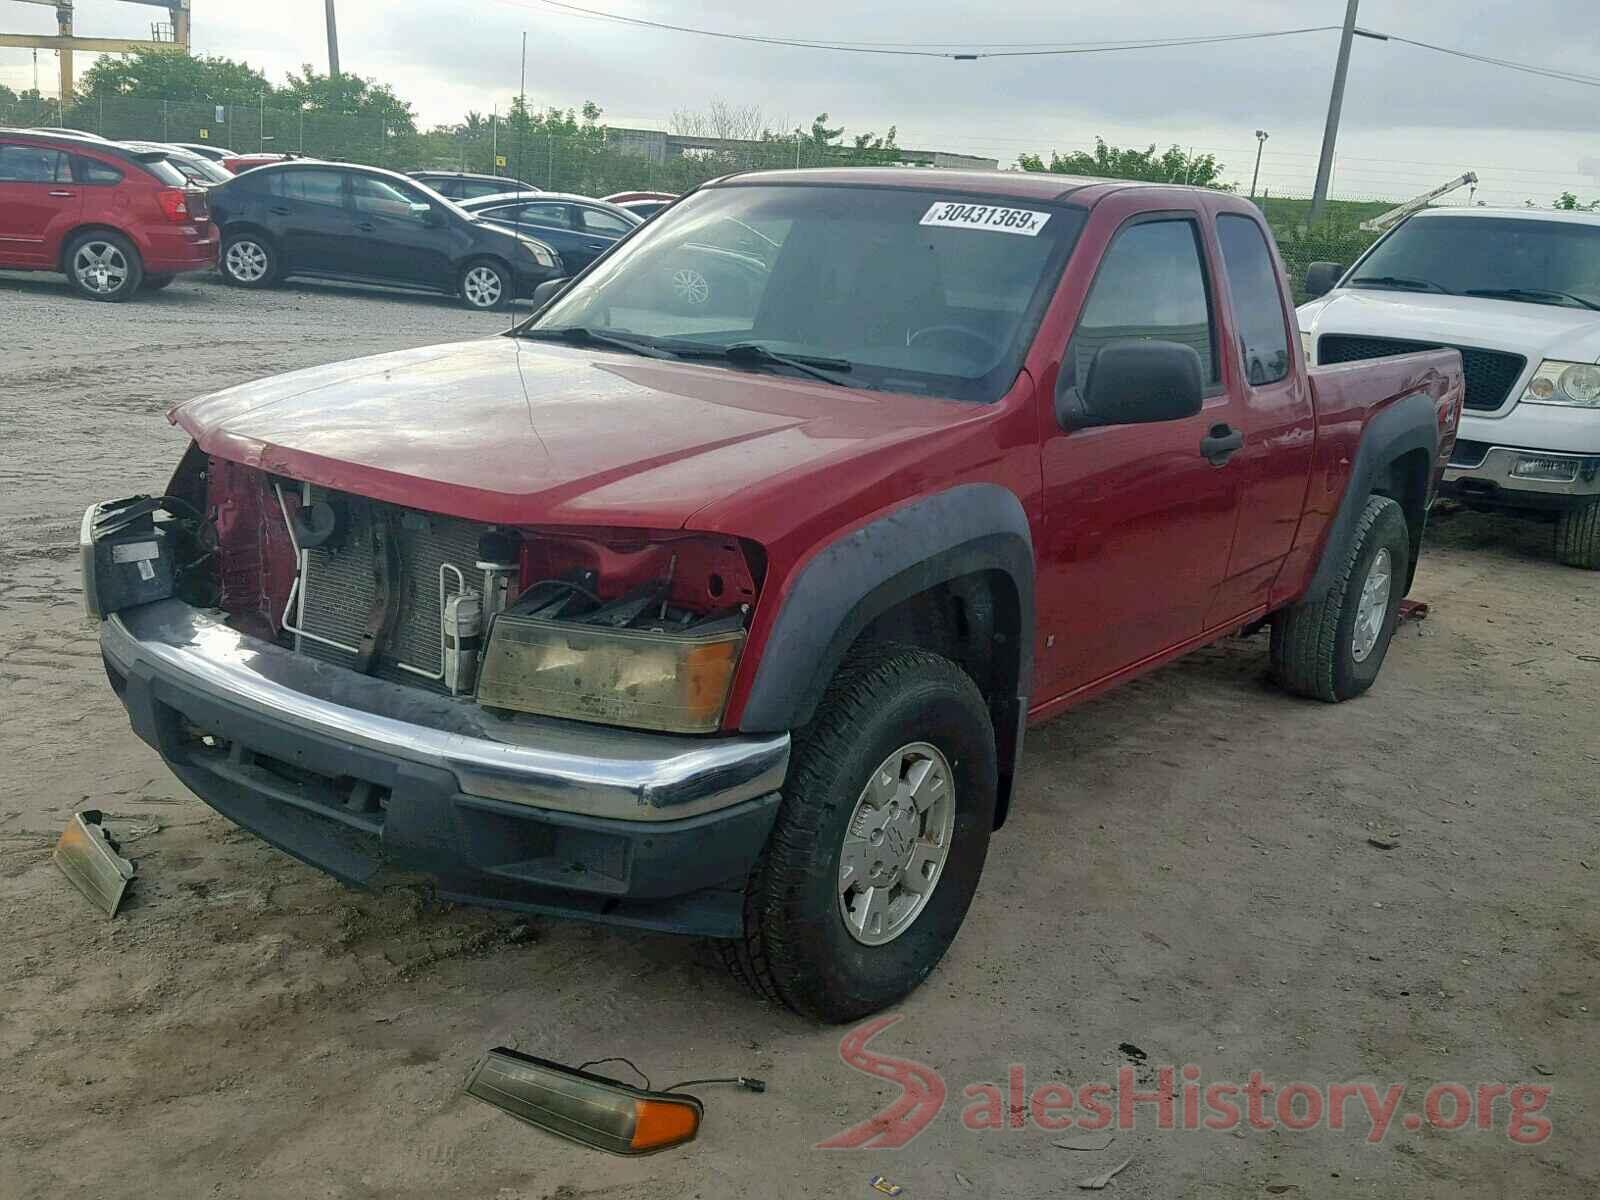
column 658, row 146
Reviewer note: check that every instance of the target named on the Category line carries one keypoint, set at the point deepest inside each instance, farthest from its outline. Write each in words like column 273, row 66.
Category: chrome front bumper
column 559, row 766
column 1498, row 463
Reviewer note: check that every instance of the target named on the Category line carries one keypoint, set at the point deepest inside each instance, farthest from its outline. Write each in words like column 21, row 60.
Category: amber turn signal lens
column 584, row 1108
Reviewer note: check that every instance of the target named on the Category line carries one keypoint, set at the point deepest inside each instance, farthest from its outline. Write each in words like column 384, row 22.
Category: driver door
column 1138, row 522
column 397, row 240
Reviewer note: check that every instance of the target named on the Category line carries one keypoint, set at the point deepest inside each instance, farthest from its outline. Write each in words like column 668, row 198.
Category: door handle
column 63, row 195
column 366, row 226
column 1218, row 446
column 281, row 210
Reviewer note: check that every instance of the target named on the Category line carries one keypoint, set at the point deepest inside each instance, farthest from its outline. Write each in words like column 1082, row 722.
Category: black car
column 462, row 185
column 368, row 225
column 581, row 228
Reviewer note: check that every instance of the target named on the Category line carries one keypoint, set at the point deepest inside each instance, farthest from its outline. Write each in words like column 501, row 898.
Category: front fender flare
column 966, row 530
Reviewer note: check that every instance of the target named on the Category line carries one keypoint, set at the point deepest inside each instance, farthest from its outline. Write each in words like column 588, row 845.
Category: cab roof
column 1023, row 185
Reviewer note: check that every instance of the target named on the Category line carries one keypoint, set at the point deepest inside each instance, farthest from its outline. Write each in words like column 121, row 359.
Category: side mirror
column 1134, row 382
column 548, row 291
column 1322, row 277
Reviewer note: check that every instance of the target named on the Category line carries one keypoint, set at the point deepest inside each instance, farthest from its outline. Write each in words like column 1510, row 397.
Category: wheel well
column 238, row 227
column 75, row 234
column 484, row 257
column 975, row 621
column 1405, row 481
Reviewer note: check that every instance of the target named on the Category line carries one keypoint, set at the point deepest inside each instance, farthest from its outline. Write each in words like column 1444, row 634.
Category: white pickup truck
column 1518, row 293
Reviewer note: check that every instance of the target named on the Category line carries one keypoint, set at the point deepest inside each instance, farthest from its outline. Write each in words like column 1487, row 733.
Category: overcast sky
column 1412, row 118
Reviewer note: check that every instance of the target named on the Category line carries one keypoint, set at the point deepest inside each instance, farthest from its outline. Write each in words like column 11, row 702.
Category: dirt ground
column 1187, row 870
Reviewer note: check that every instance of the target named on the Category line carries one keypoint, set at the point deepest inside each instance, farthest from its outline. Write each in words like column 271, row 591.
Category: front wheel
column 1333, row 649
column 879, row 841
column 104, row 266
column 485, row 285
column 1578, row 536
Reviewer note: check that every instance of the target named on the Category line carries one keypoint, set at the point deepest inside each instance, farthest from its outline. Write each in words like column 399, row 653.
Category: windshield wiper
column 1537, row 295
column 1401, row 281
column 583, row 335
column 825, row 369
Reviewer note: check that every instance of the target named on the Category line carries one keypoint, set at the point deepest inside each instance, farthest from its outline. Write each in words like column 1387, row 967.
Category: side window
column 553, row 216
column 471, row 189
column 93, row 171
column 450, row 189
column 314, row 187
column 33, row 164
column 1257, row 299
column 598, row 221
column 378, row 197
column 1151, row 284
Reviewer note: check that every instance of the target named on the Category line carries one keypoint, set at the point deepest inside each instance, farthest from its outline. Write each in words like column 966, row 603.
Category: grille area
column 1491, row 374
column 340, row 586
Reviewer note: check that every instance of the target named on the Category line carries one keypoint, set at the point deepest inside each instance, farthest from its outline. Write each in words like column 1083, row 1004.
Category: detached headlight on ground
column 676, row 683
column 541, row 253
column 1573, row 384
column 586, row 1108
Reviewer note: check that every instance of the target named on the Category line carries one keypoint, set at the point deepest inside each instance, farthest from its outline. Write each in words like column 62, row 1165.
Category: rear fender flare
column 1408, row 424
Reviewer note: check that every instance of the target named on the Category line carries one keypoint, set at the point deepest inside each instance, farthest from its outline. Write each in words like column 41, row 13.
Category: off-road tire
column 1578, row 536
column 1312, row 652
column 796, row 949
column 126, row 256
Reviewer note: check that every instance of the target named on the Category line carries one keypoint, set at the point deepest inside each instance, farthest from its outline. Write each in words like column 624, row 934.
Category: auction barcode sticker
column 954, row 214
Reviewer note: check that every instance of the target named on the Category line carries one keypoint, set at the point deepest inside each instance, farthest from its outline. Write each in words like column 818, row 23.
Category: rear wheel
column 104, row 266
column 879, row 842
column 485, row 285
column 1333, row 649
column 249, row 260
column 1578, row 536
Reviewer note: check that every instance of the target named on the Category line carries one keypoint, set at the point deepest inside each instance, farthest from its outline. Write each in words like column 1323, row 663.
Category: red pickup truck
column 725, row 613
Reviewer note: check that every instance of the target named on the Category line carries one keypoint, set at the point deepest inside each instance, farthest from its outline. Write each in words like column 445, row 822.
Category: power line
column 1526, row 68
column 907, row 50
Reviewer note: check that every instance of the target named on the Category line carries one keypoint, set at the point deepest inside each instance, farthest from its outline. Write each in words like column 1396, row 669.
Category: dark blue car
column 580, row 228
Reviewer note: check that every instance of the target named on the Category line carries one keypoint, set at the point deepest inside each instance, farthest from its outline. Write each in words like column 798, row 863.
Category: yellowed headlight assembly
column 676, row 683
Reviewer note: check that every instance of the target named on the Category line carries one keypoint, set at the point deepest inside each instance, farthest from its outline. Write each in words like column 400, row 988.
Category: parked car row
column 106, row 213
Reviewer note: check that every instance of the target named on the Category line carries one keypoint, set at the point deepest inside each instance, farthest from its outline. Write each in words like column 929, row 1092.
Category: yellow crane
column 173, row 37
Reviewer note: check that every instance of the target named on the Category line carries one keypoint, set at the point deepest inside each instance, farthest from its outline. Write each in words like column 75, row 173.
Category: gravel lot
column 1187, row 871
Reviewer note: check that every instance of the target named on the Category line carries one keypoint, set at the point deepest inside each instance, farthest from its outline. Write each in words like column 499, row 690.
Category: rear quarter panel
column 1348, row 398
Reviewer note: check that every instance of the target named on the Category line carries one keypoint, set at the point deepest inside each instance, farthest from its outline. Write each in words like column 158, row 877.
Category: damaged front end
column 638, row 629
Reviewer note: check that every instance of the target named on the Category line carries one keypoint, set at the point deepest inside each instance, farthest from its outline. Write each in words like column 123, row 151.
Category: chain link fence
column 589, row 160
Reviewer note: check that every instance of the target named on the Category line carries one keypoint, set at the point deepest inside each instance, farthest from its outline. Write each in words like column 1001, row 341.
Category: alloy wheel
column 100, row 267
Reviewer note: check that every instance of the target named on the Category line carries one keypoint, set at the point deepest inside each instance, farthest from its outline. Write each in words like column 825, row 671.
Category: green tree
column 1172, row 165
column 172, row 75
column 349, row 95
column 819, row 133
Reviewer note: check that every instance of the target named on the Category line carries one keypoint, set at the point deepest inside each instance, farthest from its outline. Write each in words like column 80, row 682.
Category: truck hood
column 521, row 432
column 1537, row 331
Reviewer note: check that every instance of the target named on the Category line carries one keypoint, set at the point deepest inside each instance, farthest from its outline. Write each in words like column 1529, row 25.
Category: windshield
column 906, row 289
column 1515, row 258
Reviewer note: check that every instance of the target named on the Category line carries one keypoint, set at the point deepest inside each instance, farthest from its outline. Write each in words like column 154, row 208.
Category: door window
column 1151, row 285
column 313, row 187
column 1257, row 299
column 471, row 189
column 598, row 221
column 33, row 164
column 93, row 171
column 380, row 198
column 553, row 216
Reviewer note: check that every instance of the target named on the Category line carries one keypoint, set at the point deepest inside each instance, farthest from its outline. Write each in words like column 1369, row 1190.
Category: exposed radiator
column 339, row 588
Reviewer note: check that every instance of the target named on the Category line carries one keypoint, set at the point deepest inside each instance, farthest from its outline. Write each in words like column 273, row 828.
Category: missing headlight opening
column 657, row 618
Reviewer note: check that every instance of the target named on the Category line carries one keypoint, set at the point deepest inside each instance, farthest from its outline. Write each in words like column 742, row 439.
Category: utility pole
column 1330, row 135
column 1261, row 144
column 333, row 40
